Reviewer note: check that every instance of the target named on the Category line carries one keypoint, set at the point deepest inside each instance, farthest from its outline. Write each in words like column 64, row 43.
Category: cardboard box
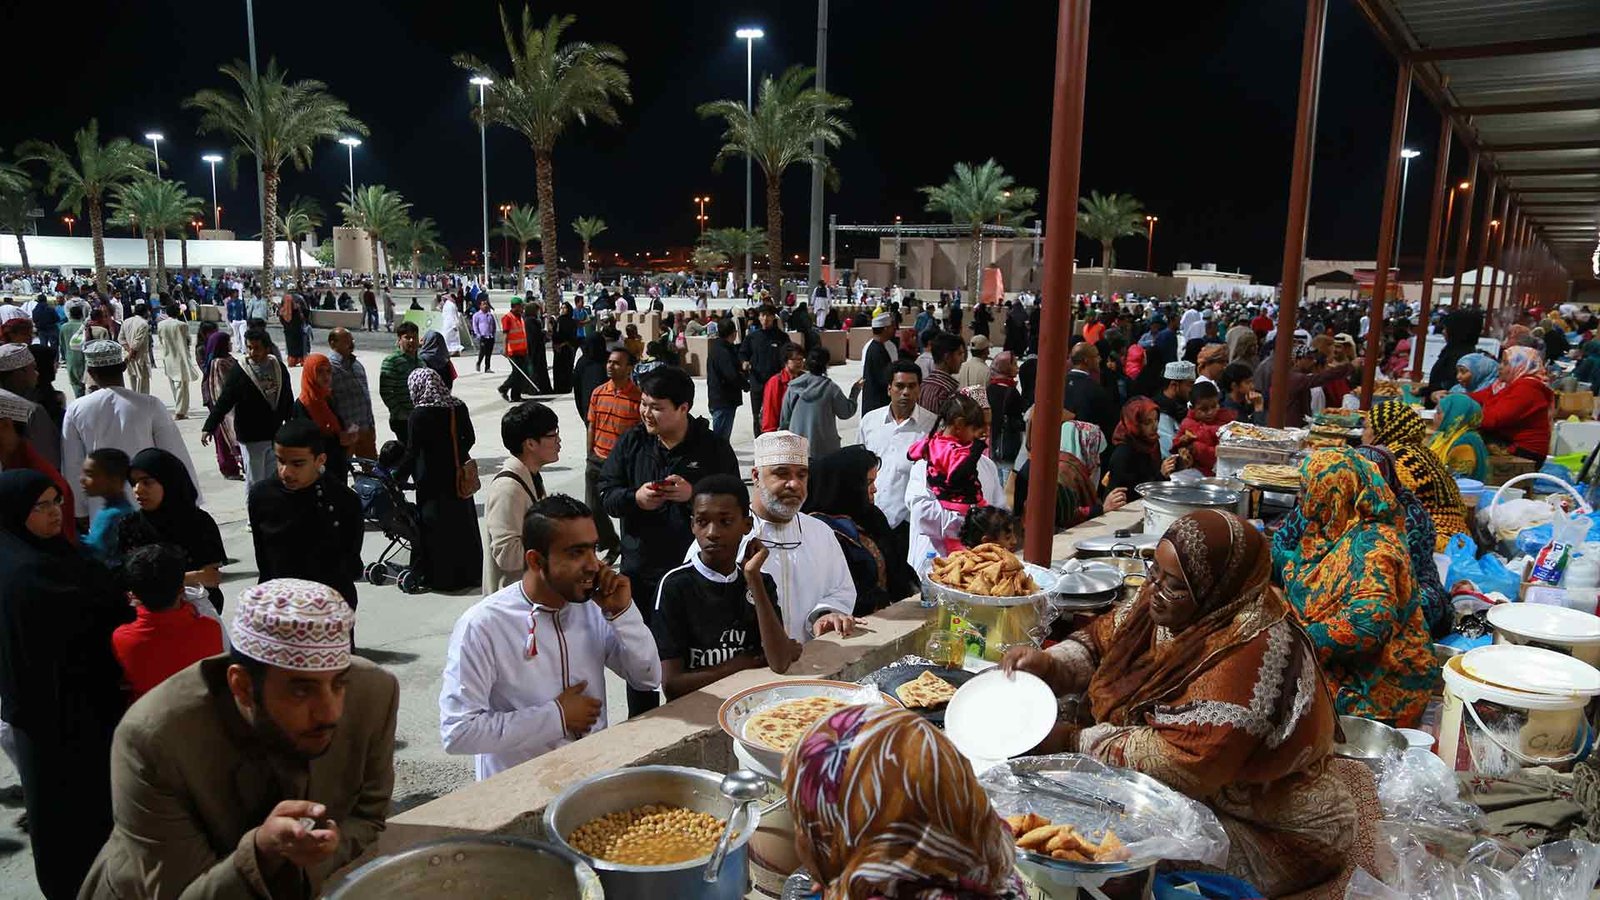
column 1575, row 403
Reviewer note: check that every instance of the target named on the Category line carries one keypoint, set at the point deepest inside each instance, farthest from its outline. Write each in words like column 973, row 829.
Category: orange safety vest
column 516, row 338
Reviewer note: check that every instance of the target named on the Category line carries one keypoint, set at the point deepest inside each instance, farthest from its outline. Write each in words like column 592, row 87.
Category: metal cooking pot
column 1232, row 484
column 1117, row 543
column 1166, row 502
column 624, row 789
column 1086, row 585
column 1368, row 742
column 478, row 866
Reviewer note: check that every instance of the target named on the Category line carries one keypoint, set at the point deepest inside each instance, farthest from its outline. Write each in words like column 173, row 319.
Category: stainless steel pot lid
column 1082, row 579
column 1119, row 540
column 1202, row 495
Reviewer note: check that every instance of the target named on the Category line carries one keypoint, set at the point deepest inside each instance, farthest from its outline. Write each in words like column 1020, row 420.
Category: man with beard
column 647, row 482
column 889, row 432
column 254, row 774
column 525, row 669
column 815, row 592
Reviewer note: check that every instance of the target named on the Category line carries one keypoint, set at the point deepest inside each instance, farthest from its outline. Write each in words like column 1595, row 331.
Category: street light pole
column 483, row 154
column 814, row 267
column 216, row 211
column 155, row 138
column 1150, row 243
column 350, row 144
column 749, row 36
column 261, row 177
column 1407, row 155
column 702, row 218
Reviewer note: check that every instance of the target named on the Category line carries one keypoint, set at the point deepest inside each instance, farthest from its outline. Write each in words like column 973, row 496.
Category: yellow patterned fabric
column 1398, row 427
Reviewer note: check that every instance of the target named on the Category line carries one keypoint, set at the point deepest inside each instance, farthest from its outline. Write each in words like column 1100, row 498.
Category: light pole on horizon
column 702, row 217
column 1150, row 243
column 350, row 144
column 155, row 138
column 505, row 243
column 216, row 211
column 1406, row 155
column 749, row 36
column 69, row 220
column 483, row 83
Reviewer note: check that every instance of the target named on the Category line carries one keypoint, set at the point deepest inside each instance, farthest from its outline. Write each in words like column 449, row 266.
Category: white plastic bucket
column 1494, row 729
column 1568, row 631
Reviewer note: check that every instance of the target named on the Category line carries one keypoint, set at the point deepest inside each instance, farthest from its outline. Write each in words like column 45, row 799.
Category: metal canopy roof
column 1520, row 79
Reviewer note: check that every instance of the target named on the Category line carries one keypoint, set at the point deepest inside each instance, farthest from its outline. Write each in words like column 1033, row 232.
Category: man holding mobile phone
column 648, row 481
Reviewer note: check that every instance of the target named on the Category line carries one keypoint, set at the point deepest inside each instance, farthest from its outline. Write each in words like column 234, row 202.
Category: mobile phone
column 659, row 485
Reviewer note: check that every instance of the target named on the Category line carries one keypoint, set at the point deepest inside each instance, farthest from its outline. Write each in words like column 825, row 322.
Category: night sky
column 1190, row 109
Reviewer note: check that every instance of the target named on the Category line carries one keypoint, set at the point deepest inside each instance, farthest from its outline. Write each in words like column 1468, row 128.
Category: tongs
column 1051, row 787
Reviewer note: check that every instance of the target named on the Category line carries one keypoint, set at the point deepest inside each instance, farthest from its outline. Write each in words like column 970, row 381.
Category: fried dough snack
column 988, row 570
column 1035, row 833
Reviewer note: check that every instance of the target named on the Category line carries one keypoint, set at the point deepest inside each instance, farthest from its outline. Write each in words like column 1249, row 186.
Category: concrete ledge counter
column 684, row 732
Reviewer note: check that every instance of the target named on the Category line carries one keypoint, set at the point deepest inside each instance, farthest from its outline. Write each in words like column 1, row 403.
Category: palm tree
column 975, row 196
column 177, row 209
column 134, row 206
column 587, row 228
column 378, row 211
column 523, row 224
column 419, row 236
column 550, row 86
column 790, row 115
column 273, row 121
column 1104, row 218
column 303, row 216
column 88, row 178
column 16, row 201
column 707, row 259
column 737, row 243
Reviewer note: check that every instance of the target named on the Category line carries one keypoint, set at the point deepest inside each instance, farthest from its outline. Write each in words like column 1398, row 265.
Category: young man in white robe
column 524, row 671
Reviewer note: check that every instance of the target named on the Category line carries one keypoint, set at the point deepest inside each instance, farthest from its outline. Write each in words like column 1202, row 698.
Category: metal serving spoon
column 743, row 787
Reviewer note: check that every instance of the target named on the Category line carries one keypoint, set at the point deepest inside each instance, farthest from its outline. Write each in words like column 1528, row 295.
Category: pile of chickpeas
column 651, row 835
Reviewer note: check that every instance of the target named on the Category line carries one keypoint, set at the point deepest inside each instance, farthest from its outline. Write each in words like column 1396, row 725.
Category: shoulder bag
column 467, row 482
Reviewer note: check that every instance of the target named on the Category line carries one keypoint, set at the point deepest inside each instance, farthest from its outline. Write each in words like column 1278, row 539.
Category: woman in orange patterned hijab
column 885, row 806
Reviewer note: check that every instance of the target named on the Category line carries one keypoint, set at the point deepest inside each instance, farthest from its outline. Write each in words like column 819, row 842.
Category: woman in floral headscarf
column 1456, row 442
column 1346, row 572
column 1516, row 409
column 1206, row 683
column 1136, row 451
column 1420, row 541
column 1397, row 426
column 884, row 806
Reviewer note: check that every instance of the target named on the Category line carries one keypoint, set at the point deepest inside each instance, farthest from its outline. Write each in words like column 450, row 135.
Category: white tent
column 1489, row 276
column 131, row 253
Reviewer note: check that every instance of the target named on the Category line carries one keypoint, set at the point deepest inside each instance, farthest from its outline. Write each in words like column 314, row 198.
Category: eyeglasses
column 46, row 505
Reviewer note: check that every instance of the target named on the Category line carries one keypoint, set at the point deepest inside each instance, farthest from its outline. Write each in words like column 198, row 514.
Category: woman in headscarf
column 292, row 313
column 1456, row 442
column 1516, row 409
column 885, row 806
column 1005, row 411
column 214, row 369
column 436, row 356
column 843, row 493
column 60, row 686
column 17, row 452
column 1397, row 426
column 1420, row 541
column 1474, row 372
column 170, row 513
column 316, row 404
column 1136, row 454
column 1347, row 573
column 565, row 339
column 450, row 555
column 202, row 338
column 1244, row 347
column 1208, row 684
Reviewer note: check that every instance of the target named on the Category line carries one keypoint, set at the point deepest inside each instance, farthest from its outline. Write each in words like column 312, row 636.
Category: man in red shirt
column 794, row 365
column 169, row 633
column 613, row 409
column 1261, row 324
column 520, row 381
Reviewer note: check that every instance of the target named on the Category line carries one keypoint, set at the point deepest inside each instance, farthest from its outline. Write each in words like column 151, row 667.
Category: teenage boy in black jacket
column 725, row 385
column 763, row 355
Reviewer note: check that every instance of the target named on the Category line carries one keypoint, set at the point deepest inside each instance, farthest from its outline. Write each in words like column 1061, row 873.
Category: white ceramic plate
column 997, row 716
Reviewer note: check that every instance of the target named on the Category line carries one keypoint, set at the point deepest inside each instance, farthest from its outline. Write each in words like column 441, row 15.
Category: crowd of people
column 159, row 750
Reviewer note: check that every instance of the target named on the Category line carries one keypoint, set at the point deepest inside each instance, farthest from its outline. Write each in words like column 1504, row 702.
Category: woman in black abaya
column 449, row 556
column 170, row 513
column 60, row 686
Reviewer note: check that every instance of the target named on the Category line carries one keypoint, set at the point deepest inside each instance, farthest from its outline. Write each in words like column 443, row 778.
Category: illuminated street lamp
column 1406, row 155
column 483, row 83
column 749, row 35
column 69, row 220
column 216, row 211
column 350, row 145
column 702, row 219
column 1150, row 243
column 155, row 138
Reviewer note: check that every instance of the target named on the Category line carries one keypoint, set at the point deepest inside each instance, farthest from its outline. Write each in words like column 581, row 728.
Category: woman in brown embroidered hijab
column 1205, row 683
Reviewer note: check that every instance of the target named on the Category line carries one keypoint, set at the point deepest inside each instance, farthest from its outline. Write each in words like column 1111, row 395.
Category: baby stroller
column 384, row 504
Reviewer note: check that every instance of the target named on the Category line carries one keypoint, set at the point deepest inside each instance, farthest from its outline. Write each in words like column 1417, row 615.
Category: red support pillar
column 1294, row 229
column 1464, row 232
column 1478, row 297
column 1386, row 226
column 1430, row 259
column 1060, row 235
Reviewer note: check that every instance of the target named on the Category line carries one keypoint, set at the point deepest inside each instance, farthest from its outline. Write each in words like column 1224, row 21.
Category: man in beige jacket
column 532, row 435
column 256, row 774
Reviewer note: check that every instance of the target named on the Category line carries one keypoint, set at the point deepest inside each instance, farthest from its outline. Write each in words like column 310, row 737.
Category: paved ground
column 404, row 633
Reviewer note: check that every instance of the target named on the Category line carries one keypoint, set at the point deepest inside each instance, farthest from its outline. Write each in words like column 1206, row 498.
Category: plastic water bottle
column 927, row 565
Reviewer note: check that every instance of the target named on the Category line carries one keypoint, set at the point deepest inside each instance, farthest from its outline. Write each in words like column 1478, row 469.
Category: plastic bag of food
column 1153, row 821
column 1511, row 516
column 1418, row 787
column 1488, row 574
